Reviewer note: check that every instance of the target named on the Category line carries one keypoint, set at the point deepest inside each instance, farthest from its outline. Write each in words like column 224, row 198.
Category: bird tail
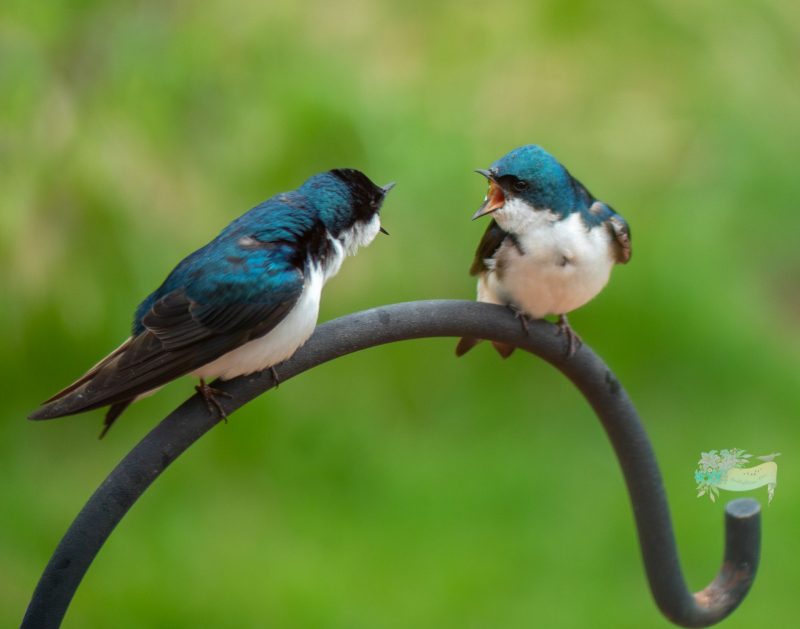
column 74, row 399
column 505, row 350
column 114, row 411
column 468, row 342
column 465, row 344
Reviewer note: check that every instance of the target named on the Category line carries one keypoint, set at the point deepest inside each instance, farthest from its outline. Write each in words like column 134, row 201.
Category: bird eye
column 520, row 185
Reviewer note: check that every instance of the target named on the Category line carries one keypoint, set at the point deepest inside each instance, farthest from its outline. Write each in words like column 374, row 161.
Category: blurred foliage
column 400, row 487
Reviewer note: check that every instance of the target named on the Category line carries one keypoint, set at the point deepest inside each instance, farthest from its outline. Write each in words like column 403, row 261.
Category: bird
column 550, row 245
column 242, row 303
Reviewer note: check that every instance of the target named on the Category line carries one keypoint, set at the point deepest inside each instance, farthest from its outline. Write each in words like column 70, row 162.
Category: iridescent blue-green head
column 531, row 175
column 346, row 201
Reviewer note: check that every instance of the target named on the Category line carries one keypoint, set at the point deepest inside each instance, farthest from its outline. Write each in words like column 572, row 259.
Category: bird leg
column 573, row 340
column 210, row 395
column 274, row 374
column 523, row 318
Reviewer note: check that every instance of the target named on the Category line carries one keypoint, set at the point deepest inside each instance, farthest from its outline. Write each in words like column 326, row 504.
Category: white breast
column 564, row 264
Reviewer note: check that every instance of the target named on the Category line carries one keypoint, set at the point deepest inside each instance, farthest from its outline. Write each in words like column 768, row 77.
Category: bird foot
column 523, row 318
column 275, row 377
column 210, row 395
column 573, row 340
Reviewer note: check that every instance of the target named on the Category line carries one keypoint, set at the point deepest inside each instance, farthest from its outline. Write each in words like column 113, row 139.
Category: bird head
column 534, row 177
column 348, row 203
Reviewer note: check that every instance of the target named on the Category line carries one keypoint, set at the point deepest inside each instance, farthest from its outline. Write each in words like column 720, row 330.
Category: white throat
column 348, row 243
column 518, row 217
column 360, row 234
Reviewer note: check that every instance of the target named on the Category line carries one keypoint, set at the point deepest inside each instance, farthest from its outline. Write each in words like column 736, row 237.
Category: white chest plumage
column 554, row 267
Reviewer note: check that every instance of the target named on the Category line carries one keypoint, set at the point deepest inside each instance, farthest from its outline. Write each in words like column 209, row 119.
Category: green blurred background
column 400, row 487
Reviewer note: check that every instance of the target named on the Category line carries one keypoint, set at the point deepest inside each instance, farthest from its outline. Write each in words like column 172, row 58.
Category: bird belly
column 546, row 290
column 278, row 344
column 563, row 266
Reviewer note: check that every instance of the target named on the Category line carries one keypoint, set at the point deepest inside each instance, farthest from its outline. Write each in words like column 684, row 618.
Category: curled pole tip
column 414, row 320
column 739, row 565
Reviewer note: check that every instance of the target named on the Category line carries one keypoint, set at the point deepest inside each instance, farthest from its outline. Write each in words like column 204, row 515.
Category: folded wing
column 180, row 335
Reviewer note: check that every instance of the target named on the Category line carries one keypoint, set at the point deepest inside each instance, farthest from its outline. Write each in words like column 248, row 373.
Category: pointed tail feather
column 114, row 411
column 465, row 344
column 468, row 342
column 503, row 349
column 72, row 403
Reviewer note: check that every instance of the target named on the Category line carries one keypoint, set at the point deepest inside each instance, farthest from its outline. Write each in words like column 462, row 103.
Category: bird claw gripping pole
column 412, row 320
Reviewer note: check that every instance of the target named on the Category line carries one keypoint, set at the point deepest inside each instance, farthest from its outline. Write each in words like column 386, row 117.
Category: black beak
column 386, row 189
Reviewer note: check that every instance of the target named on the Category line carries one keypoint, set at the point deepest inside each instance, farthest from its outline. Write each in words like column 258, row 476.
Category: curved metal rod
column 398, row 322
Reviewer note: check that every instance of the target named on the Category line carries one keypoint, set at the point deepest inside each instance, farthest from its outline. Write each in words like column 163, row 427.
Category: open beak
column 495, row 198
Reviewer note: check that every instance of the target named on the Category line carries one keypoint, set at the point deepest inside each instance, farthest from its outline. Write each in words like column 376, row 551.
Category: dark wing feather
column 180, row 336
column 600, row 213
column 178, row 321
column 622, row 238
column 493, row 237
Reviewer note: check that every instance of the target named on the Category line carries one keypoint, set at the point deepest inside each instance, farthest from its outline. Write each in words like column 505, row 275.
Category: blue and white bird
column 550, row 246
column 242, row 303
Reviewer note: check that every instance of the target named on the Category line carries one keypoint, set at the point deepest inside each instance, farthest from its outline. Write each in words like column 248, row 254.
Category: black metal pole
column 397, row 322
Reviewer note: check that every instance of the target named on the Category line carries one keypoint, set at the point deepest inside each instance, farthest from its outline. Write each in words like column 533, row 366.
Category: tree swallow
column 550, row 245
column 242, row 303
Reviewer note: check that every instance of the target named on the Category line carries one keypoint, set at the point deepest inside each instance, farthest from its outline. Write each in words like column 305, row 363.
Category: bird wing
column 603, row 214
column 181, row 334
column 493, row 237
column 622, row 238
